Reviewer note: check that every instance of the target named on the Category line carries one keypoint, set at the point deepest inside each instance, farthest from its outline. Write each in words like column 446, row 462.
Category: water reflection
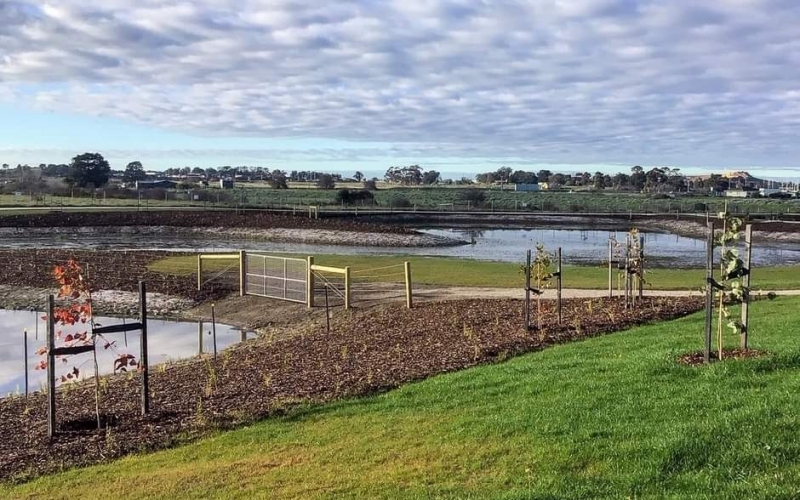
column 167, row 341
column 509, row 245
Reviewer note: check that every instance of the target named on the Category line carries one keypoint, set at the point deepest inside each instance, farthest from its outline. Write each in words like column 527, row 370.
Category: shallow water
column 510, row 245
column 167, row 340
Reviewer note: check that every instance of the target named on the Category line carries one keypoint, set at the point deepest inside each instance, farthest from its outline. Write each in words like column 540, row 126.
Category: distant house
column 526, row 187
column 161, row 183
column 739, row 193
column 226, row 183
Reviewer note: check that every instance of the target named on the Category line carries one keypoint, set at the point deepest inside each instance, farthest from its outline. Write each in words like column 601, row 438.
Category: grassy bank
column 464, row 272
column 610, row 417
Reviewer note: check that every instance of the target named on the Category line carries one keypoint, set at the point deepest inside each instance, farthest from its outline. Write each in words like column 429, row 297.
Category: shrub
column 349, row 197
column 399, row 201
column 475, row 197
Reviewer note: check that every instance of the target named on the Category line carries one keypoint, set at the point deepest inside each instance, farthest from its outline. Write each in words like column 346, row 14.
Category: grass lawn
column 610, row 417
column 465, row 272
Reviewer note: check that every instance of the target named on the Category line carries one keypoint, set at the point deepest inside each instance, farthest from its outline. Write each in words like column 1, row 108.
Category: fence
column 303, row 281
column 275, row 277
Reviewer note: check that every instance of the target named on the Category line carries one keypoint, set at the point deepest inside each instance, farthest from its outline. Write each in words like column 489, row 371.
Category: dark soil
column 106, row 270
column 696, row 358
column 367, row 351
column 195, row 218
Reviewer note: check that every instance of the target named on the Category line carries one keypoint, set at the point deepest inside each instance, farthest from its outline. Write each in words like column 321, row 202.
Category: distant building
column 769, row 191
column 161, row 183
column 739, row 193
column 526, row 187
column 226, row 183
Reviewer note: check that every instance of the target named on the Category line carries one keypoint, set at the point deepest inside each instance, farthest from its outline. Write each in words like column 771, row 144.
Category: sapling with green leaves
column 732, row 272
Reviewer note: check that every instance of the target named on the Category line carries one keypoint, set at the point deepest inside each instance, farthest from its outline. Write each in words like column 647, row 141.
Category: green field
column 439, row 198
column 610, row 417
column 464, row 272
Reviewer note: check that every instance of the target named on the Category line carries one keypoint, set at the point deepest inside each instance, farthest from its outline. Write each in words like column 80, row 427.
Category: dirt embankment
column 365, row 352
column 763, row 231
column 229, row 225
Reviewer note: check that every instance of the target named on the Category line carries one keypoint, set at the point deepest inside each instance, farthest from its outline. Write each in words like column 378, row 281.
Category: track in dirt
column 366, row 352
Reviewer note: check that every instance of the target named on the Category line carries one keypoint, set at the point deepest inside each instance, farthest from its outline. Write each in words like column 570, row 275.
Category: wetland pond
column 584, row 247
column 167, row 341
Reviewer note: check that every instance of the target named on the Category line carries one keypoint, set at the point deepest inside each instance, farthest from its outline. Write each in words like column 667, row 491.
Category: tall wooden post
column 409, row 295
column 242, row 273
column 558, row 285
column 199, row 338
column 627, row 271
column 347, row 288
column 25, row 357
column 310, row 283
column 143, row 358
column 709, row 291
column 748, row 265
column 199, row 272
column 51, row 367
column 610, row 272
column 528, row 291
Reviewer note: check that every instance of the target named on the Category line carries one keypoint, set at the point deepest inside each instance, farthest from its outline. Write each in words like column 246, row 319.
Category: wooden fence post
column 409, row 296
column 51, row 368
column 143, row 358
column 199, row 338
column 310, row 283
column 748, row 264
column 242, row 273
column 214, row 330
column 641, row 267
column 25, row 357
column 347, row 288
column 709, row 291
column 199, row 272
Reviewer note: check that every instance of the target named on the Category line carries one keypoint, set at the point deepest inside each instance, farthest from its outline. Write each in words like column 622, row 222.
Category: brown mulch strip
column 696, row 358
column 107, row 270
column 368, row 351
column 196, row 218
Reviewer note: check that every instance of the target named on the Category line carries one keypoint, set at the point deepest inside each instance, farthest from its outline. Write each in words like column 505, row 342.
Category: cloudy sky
column 363, row 84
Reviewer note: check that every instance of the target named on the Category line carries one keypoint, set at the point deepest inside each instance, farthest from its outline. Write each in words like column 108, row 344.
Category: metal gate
column 276, row 277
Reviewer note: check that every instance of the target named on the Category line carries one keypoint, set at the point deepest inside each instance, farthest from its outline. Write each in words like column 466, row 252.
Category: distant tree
column 371, row 185
column 88, row 169
column 521, row 177
column 278, row 180
column 638, row 178
column 134, row 172
column 198, row 171
column 430, row 177
column 599, row 180
column 326, row 181
column 544, row 175
column 358, row 176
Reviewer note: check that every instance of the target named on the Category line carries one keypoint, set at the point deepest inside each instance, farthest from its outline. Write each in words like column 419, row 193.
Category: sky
column 459, row 86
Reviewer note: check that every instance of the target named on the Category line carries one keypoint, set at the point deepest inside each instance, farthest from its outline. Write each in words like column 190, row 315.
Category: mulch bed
column 696, row 358
column 107, row 270
column 368, row 351
column 196, row 218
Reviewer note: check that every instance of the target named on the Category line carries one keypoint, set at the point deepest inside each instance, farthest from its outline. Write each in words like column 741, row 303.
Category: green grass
column 610, row 417
column 466, row 272
column 257, row 196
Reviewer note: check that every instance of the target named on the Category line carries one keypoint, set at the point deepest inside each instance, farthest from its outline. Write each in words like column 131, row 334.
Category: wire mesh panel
column 276, row 277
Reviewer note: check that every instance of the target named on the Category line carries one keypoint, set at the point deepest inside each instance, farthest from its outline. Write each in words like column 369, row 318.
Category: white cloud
column 584, row 80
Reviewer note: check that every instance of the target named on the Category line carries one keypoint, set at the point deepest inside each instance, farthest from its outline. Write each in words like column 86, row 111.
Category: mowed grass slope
column 466, row 272
column 610, row 417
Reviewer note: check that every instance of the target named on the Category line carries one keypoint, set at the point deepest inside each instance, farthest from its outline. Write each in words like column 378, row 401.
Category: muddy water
column 167, row 341
column 510, row 245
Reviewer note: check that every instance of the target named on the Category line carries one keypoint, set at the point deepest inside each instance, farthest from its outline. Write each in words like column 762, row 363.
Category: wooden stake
column 346, row 288
column 748, row 264
column 51, row 368
column 143, row 358
column 242, row 274
column 409, row 295
column 558, row 285
column 25, row 357
column 709, row 291
column 199, row 272
column 610, row 272
column 214, row 330
column 310, row 283
column 528, row 292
